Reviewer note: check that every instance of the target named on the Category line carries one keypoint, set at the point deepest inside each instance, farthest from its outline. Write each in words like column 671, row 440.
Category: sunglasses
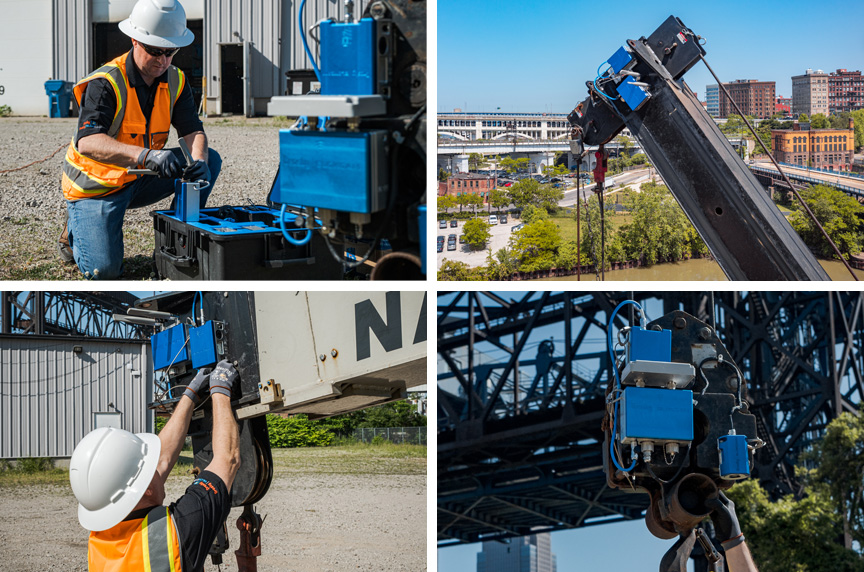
column 156, row 52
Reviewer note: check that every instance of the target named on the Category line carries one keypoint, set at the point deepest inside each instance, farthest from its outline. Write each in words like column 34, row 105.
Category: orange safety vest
column 85, row 178
column 149, row 544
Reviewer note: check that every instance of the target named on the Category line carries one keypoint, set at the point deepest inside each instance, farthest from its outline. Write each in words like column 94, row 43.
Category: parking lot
column 463, row 253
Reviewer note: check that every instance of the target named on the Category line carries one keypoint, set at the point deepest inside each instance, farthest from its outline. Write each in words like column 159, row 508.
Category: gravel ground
column 316, row 521
column 32, row 209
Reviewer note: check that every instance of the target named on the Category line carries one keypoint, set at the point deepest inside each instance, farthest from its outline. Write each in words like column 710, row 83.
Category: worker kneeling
column 119, row 480
column 127, row 109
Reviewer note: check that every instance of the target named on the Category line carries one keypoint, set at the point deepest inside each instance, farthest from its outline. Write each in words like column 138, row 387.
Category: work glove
column 223, row 377
column 198, row 384
column 164, row 163
column 197, row 171
column 724, row 518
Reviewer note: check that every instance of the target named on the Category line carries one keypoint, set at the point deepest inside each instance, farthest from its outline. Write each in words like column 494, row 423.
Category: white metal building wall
column 49, row 392
column 236, row 21
column 72, row 43
column 25, row 55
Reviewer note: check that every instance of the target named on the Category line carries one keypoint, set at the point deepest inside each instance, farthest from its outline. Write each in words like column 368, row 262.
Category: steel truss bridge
column 68, row 313
column 520, row 397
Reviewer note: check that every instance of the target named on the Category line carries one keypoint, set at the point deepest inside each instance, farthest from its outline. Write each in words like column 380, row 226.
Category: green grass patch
column 38, row 471
column 354, row 459
column 567, row 223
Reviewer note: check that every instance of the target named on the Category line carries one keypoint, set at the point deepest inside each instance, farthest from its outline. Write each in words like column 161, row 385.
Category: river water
column 696, row 269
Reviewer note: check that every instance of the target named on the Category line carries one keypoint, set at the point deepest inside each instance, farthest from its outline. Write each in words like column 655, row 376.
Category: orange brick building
column 819, row 148
column 472, row 183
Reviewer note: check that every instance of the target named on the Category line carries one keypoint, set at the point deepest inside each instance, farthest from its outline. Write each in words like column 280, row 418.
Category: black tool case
column 237, row 243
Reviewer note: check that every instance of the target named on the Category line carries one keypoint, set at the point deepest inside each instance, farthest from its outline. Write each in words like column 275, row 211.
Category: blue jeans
column 96, row 225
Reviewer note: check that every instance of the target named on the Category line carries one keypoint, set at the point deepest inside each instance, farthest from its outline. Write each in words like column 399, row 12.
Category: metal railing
column 396, row 435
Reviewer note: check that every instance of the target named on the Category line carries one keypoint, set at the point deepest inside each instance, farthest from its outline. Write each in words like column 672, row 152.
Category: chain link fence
column 397, row 435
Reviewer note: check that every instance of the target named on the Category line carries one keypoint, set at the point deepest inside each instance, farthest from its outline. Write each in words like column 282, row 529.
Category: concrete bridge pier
column 538, row 160
column 588, row 162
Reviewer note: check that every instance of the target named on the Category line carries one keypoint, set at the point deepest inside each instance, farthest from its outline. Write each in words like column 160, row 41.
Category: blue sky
column 537, row 56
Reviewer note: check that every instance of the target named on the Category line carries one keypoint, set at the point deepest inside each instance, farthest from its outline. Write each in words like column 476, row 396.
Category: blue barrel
column 59, row 94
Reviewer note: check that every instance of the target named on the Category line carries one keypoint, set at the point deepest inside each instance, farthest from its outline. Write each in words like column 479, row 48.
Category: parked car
column 451, row 238
column 441, row 246
column 442, row 224
column 461, row 239
column 503, row 219
column 493, row 219
column 451, row 245
column 454, row 223
column 508, row 184
column 517, row 227
column 440, row 238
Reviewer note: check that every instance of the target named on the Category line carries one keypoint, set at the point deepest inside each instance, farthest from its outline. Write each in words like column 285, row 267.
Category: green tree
column 474, row 200
column 512, row 165
column 444, row 203
column 396, row 414
column 476, row 232
column 658, row 230
column 463, row 200
column 530, row 192
column 838, row 213
column 792, row 535
column 499, row 199
column 567, row 255
column 533, row 214
column 443, row 175
column 592, row 233
column 476, row 161
column 296, row 431
column 502, row 265
column 858, row 117
column 624, row 144
column 838, row 461
column 803, row 118
column 554, row 170
column 819, row 121
column 536, row 245
column 455, row 270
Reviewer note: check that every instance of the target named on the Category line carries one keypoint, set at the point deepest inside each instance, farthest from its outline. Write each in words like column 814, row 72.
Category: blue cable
column 618, row 380
column 600, row 92
column 306, row 45
column 287, row 236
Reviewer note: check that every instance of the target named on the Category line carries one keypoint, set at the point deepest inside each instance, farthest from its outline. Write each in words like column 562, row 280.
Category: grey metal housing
column 52, row 387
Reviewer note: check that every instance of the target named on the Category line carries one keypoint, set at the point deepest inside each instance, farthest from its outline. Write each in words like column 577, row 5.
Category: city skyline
column 513, row 60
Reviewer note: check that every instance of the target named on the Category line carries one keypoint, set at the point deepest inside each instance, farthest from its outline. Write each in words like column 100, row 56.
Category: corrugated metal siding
column 49, row 393
column 293, row 54
column 73, row 30
column 256, row 22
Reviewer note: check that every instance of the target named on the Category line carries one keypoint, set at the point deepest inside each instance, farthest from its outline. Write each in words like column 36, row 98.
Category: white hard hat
column 110, row 471
column 158, row 23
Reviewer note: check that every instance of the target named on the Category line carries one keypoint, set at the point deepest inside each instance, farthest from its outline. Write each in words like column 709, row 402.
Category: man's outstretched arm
column 173, row 435
column 226, row 449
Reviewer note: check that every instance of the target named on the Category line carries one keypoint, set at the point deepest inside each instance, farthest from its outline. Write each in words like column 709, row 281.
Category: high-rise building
column 712, row 100
column 810, row 93
column 753, row 97
column 845, row 91
column 524, row 554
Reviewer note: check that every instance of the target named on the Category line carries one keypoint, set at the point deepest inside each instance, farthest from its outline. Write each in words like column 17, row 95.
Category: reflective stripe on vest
column 150, row 544
column 84, row 177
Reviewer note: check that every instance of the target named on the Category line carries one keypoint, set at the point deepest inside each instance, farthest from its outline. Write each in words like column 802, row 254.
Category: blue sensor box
column 649, row 345
column 339, row 170
column 202, row 345
column 652, row 414
column 348, row 58
column 734, row 457
column 619, row 59
column 169, row 347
